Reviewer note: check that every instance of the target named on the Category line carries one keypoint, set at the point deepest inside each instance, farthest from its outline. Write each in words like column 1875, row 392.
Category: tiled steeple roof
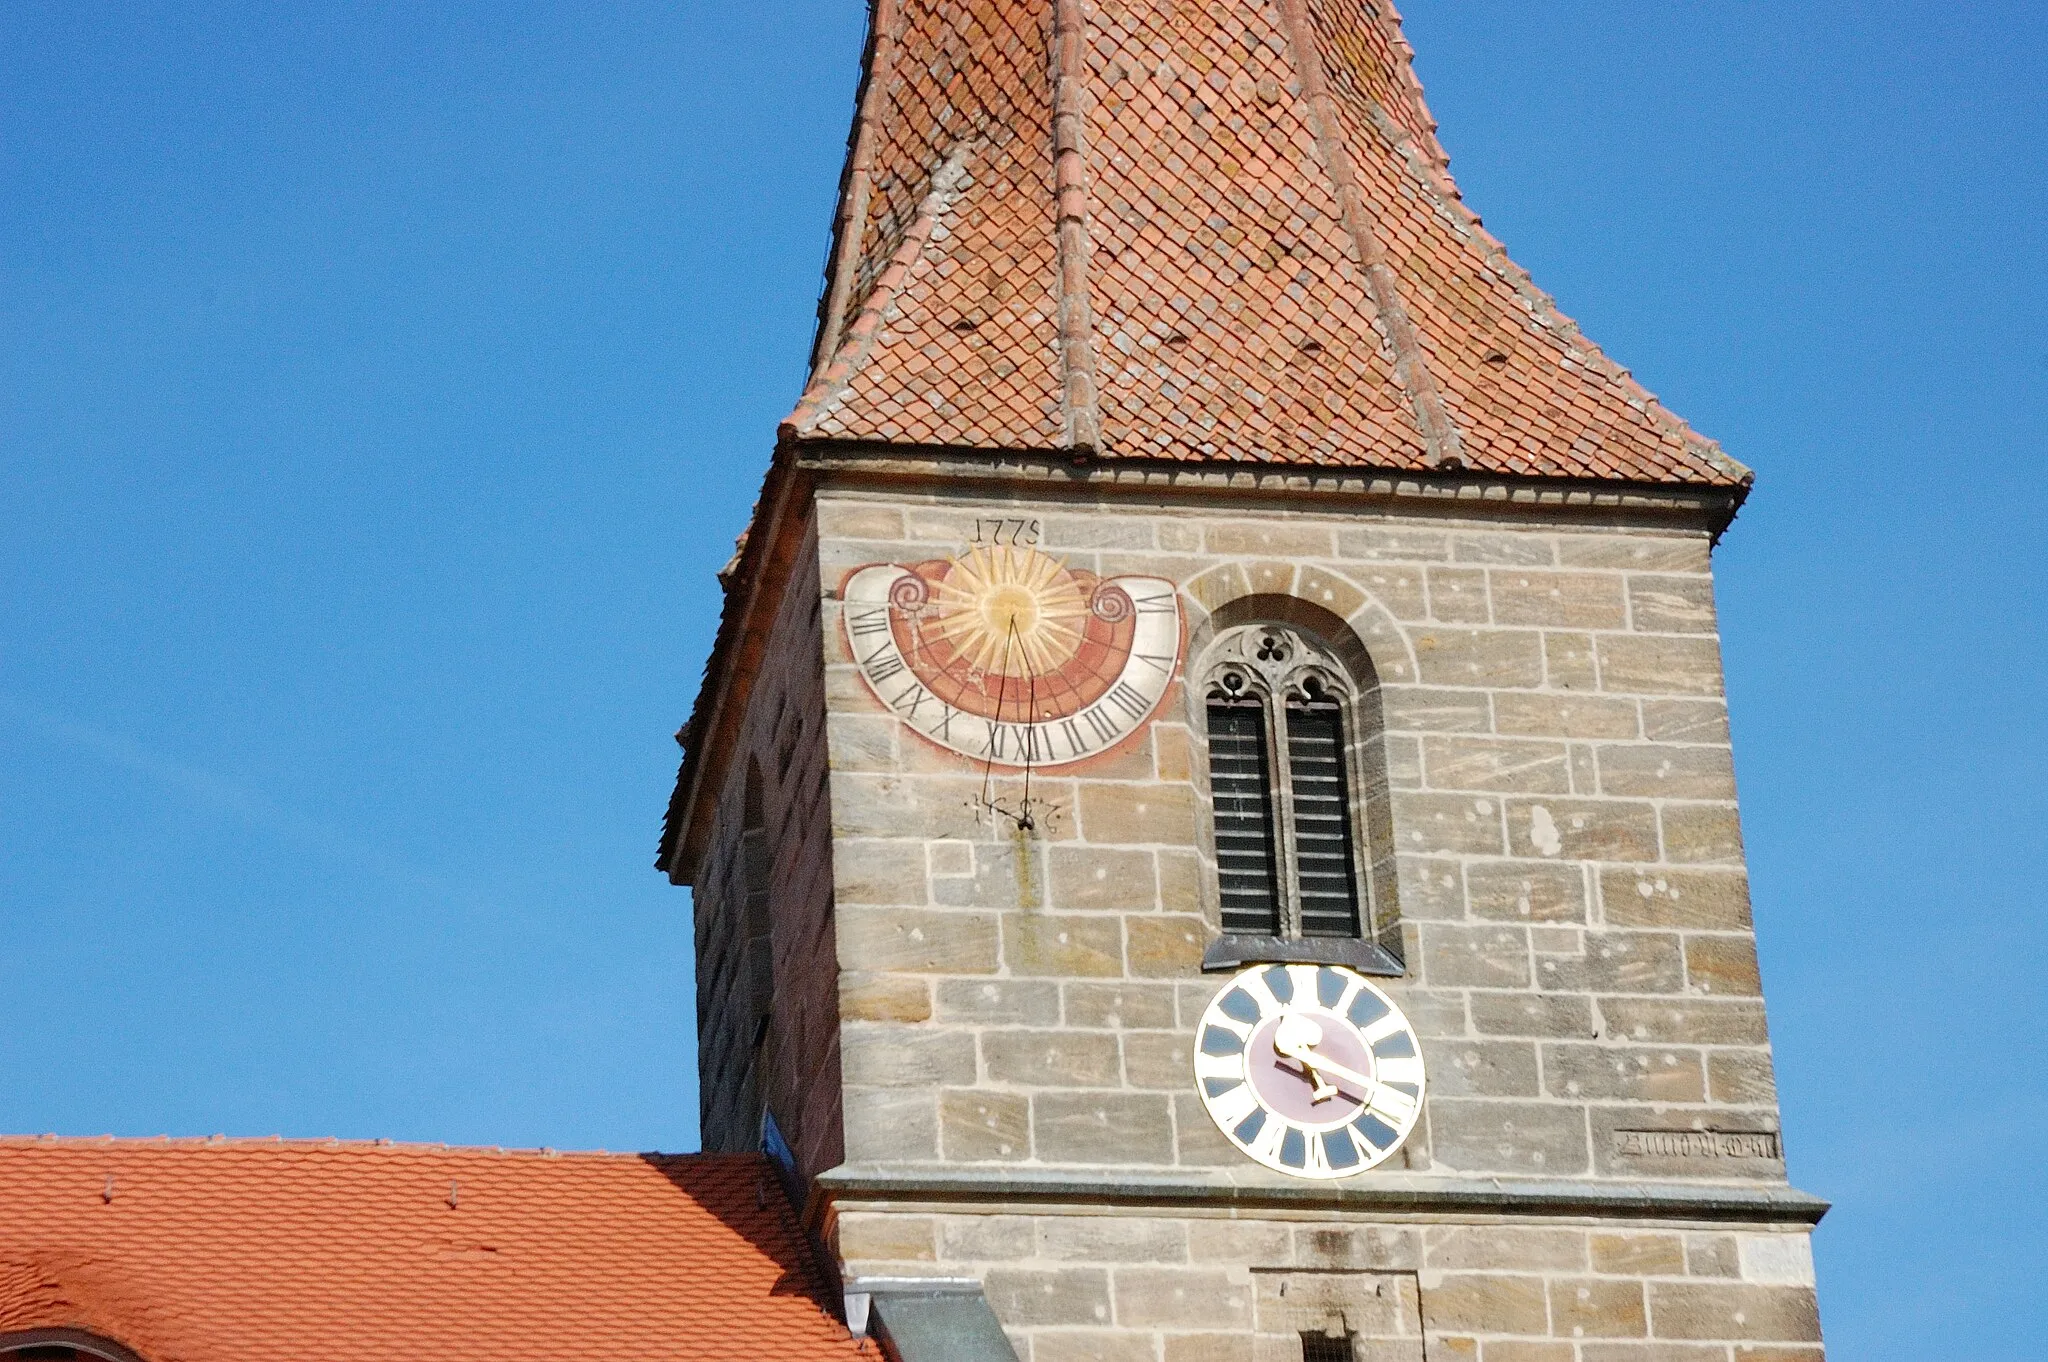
column 1156, row 229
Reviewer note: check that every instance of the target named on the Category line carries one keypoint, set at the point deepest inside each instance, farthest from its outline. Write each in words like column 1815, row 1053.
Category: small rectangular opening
column 1319, row 1347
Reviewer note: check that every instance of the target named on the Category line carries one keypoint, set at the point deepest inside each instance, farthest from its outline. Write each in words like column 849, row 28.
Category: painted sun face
column 1009, row 656
column 1010, row 611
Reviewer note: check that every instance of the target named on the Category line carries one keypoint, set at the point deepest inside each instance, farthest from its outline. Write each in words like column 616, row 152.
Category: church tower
column 1210, row 812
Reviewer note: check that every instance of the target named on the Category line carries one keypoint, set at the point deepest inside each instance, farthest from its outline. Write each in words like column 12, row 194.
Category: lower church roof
column 240, row 1250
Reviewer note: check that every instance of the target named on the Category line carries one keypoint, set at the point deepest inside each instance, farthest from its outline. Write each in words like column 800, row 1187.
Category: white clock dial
column 1309, row 1069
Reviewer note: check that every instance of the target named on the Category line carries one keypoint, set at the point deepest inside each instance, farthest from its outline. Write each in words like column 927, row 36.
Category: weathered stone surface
column 1582, row 829
column 978, row 1125
column 1102, row 879
column 1683, row 1021
column 1615, row 962
column 1479, row 657
column 846, row 518
column 1119, row 1006
column 1664, row 772
column 888, row 1238
column 1526, row 1350
column 884, row 997
column 1631, row 1072
column 1091, row 1345
column 1685, row 721
column 1763, row 1313
column 1181, row 1298
column 1164, row 946
column 1507, row 1137
column 1268, row 538
column 1197, row 1141
column 1240, row 1243
column 1649, row 664
column 1713, row 1255
column 1638, row 1255
column 1043, row 1059
column 1064, row 945
column 1546, row 714
column 889, row 872
column 1482, row 1068
column 1741, row 1078
column 1475, row 957
column 1563, row 1016
column 891, row 1124
column 1014, row 1002
column 1518, row 548
column 1784, row 1258
column 1430, row 888
column 1568, row 662
column 1722, row 964
column 1495, row 765
column 1593, row 1307
column 1504, row 1248
column 1126, row 813
column 1558, row 600
column 875, row 1055
column 1459, row 824
column 1671, row 605
column 1481, row 1302
column 1024, row 1298
column 1112, row 1239
column 1231, row 1347
column 1526, row 891
column 1457, row 595
column 916, row 940
column 1641, row 553
column 1354, row 1249
column 1700, row 834
column 1158, row 1059
column 1438, row 709
column 986, row 1238
column 1703, row 900
column 1102, row 1127
column 1396, row 542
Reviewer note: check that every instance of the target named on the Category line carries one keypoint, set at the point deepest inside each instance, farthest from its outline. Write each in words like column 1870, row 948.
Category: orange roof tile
column 233, row 1251
column 1157, row 230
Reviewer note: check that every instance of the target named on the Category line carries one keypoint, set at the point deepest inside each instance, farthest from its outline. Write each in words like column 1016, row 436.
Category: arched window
column 1293, row 760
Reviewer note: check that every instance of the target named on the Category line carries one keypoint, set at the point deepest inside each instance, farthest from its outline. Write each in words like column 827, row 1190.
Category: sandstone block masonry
column 1570, row 885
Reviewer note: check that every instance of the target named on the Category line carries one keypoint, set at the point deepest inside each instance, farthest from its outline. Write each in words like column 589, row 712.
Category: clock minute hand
column 1298, row 1044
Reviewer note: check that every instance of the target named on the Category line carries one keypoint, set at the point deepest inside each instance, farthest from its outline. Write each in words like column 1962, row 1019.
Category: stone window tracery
column 1287, row 772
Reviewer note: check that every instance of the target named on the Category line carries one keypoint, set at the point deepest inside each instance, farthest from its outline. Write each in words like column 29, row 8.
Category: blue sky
column 384, row 383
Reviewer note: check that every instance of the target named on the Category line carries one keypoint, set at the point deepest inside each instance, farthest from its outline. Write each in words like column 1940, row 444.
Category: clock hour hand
column 1296, row 1038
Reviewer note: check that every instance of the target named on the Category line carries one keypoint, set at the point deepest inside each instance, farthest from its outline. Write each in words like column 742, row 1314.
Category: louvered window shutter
column 1322, row 818
column 1241, row 783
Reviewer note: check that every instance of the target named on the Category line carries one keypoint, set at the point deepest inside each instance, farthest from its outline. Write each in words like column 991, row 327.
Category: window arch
column 1296, row 777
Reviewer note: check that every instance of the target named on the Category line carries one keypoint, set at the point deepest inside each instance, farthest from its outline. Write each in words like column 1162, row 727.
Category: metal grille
column 1240, row 781
column 1324, row 1348
column 1322, row 819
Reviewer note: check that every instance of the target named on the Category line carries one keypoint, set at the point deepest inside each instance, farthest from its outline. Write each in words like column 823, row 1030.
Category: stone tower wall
column 784, row 866
column 1580, row 961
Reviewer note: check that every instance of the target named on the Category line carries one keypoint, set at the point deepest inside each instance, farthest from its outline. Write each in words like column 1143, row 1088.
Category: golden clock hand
column 1296, row 1038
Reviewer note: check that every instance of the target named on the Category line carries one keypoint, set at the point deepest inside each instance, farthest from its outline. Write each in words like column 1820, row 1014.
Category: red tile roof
column 1157, row 230
column 234, row 1251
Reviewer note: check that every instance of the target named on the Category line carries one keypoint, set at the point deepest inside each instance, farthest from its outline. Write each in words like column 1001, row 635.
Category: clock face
column 1309, row 1069
column 1007, row 655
